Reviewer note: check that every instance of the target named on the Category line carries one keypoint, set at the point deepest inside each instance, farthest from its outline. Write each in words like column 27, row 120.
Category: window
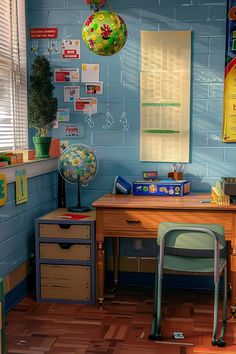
column 13, row 76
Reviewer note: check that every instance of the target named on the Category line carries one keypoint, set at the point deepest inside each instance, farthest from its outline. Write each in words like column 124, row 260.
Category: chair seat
column 190, row 264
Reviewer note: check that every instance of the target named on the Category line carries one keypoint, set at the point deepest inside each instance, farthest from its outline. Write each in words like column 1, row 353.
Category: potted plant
column 42, row 107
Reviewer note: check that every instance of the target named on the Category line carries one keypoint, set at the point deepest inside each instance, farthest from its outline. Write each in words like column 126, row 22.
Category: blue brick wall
column 118, row 152
column 17, row 221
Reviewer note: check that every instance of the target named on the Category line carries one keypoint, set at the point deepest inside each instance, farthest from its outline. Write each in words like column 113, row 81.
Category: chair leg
column 221, row 342
column 154, row 318
column 216, row 308
column 156, row 322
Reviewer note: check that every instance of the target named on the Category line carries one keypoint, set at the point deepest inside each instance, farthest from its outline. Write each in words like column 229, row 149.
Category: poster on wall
column 86, row 105
column 90, row 73
column 94, row 88
column 63, row 115
column 3, row 189
column 43, row 33
column 229, row 110
column 70, row 48
column 21, row 187
column 74, row 130
column 71, row 93
column 66, row 75
column 165, row 96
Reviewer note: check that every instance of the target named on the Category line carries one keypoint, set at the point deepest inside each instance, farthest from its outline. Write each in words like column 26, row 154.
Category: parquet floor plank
column 122, row 327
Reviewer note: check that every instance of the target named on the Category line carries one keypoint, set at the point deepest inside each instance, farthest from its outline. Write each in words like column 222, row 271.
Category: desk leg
column 100, row 272
column 233, row 282
column 116, row 255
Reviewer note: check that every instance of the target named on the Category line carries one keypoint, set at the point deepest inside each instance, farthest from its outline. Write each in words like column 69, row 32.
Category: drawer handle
column 134, row 221
column 64, row 226
column 65, row 246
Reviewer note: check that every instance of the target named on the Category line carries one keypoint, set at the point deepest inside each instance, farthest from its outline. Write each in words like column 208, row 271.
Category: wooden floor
column 123, row 326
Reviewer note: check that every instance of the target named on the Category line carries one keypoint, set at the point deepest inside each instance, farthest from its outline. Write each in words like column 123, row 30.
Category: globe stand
column 79, row 207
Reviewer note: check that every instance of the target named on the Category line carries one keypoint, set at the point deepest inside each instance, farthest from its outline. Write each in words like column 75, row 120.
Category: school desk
column 139, row 216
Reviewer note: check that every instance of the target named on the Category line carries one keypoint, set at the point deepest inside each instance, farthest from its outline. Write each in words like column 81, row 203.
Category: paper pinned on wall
column 90, row 73
column 63, row 145
column 66, row 75
column 94, row 88
column 63, row 115
column 86, row 105
column 74, row 130
column 165, row 96
column 21, row 187
column 71, row 48
column 71, row 93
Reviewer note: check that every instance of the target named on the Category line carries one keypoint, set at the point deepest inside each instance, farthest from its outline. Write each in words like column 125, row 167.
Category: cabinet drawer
column 62, row 250
column 67, row 282
column 64, row 231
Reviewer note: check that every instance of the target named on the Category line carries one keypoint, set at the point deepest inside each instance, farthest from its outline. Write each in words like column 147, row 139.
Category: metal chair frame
column 156, row 322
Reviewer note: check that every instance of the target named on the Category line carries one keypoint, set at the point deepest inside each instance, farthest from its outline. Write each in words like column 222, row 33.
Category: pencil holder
column 176, row 175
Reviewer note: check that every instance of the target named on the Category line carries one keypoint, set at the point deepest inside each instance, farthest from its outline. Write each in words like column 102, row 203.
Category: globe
column 78, row 164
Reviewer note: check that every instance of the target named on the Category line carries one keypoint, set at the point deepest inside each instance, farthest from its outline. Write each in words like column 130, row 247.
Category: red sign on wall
column 43, row 33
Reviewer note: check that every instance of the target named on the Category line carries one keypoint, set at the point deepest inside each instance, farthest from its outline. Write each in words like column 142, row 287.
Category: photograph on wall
column 70, row 48
column 94, row 88
column 71, row 93
column 21, row 187
column 74, row 130
column 63, row 115
column 63, row 145
column 66, row 75
column 90, row 73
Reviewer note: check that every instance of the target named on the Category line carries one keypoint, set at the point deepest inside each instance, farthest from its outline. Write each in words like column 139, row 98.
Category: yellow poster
column 165, row 96
column 21, row 187
column 3, row 189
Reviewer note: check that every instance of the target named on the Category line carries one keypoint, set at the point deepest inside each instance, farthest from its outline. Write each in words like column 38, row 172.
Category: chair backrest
column 192, row 243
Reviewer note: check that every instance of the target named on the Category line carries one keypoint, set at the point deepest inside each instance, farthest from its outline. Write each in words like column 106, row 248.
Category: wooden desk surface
column 190, row 201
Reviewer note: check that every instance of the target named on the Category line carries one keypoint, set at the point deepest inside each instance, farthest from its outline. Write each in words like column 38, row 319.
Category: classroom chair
column 188, row 248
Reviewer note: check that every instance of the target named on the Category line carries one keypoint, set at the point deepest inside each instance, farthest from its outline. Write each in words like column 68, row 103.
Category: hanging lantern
column 104, row 33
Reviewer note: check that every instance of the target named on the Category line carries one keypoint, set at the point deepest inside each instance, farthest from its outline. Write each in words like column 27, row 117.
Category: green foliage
column 42, row 104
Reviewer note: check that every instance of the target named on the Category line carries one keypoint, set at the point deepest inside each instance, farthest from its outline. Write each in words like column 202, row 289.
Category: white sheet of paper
column 90, row 73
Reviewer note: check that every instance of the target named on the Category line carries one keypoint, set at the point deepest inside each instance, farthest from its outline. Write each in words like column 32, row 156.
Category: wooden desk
column 139, row 217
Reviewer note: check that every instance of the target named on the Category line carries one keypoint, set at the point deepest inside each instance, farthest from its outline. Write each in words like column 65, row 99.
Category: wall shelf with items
column 65, row 257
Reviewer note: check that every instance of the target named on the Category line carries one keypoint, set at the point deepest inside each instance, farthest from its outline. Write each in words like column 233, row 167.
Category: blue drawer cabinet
column 65, row 257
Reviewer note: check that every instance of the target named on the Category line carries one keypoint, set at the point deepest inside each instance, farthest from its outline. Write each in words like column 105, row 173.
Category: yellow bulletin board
column 21, row 187
column 3, row 189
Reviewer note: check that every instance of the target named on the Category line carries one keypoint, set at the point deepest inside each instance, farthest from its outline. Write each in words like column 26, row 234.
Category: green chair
column 198, row 248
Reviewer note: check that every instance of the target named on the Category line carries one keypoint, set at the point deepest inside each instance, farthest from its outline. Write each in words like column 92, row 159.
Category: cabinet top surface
column 59, row 215
column 190, row 201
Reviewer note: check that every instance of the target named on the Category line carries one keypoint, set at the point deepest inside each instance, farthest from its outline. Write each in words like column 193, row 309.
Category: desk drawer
column 64, row 231
column 66, row 282
column 144, row 223
column 64, row 250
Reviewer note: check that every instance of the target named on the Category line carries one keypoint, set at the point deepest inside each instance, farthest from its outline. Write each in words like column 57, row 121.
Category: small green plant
column 42, row 107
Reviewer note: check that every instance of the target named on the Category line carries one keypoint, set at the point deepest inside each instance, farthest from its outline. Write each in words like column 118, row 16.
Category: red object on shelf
column 73, row 216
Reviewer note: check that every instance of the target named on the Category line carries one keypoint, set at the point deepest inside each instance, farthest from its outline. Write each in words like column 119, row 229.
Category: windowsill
column 33, row 168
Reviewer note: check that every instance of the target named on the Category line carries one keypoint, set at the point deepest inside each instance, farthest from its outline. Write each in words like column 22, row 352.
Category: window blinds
column 13, row 77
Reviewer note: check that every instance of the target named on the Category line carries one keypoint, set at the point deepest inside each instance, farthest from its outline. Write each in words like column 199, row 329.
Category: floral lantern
column 104, row 33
